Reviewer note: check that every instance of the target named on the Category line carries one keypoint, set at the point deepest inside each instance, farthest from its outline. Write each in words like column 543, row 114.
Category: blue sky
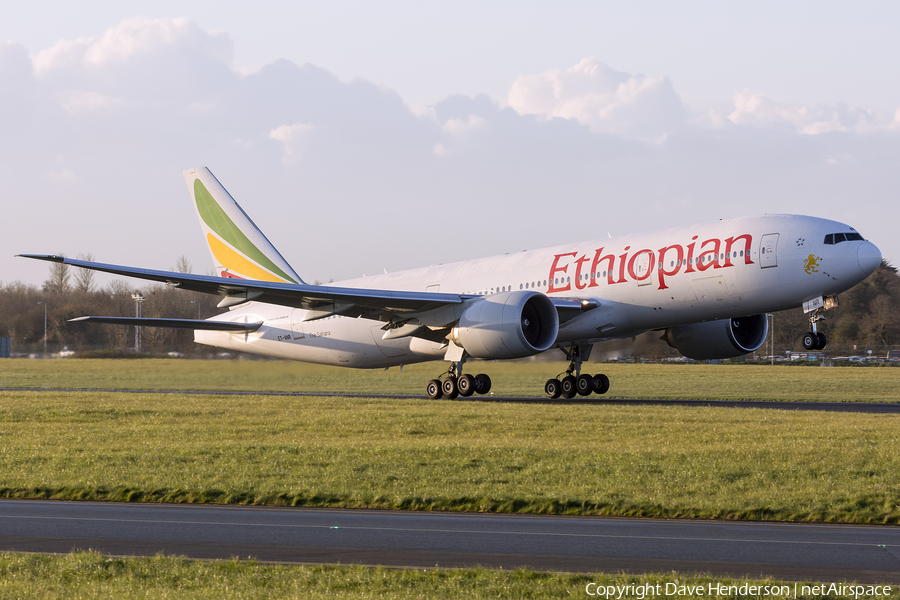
column 369, row 136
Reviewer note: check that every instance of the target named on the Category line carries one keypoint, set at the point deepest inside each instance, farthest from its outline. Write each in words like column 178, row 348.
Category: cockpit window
column 837, row 238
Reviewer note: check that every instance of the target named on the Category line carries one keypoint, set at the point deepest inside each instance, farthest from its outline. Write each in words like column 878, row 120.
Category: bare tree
column 84, row 278
column 183, row 265
column 58, row 281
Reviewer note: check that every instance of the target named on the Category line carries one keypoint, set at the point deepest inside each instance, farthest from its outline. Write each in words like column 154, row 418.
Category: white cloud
column 295, row 139
column 134, row 38
column 459, row 127
column 605, row 100
column 756, row 110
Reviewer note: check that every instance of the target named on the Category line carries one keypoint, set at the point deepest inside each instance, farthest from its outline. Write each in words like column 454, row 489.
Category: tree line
column 71, row 292
column 868, row 317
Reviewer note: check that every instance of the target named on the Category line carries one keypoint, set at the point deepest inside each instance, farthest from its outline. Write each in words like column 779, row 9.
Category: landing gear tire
column 567, row 387
column 821, row 340
column 553, row 388
column 433, row 390
column 450, row 389
column 482, row 383
column 584, row 384
column 601, row 384
column 466, row 385
column 810, row 341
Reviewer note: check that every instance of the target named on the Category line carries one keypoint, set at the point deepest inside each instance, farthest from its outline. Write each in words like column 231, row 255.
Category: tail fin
column 239, row 249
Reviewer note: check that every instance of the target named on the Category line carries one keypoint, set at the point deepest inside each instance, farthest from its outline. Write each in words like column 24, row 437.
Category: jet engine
column 508, row 325
column 725, row 338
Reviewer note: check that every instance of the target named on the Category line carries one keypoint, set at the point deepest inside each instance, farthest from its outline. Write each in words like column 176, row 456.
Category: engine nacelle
column 508, row 325
column 725, row 338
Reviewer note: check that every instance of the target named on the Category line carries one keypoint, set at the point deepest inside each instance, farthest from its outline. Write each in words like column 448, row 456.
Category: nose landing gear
column 814, row 340
column 576, row 382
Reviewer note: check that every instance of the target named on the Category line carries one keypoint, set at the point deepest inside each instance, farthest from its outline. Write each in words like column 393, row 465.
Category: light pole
column 45, row 327
column 138, row 298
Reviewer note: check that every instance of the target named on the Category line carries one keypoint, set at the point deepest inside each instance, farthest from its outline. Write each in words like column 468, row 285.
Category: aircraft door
column 642, row 268
column 768, row 246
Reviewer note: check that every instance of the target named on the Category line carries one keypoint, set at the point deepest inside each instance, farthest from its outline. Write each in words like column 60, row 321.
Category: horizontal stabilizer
column 173, row 323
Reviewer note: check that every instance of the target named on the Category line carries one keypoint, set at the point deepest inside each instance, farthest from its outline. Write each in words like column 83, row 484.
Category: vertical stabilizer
column 239, row 249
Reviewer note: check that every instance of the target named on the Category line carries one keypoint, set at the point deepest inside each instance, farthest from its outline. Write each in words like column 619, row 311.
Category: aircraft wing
column 382, row 305
column 322, row 301
column 194, row 324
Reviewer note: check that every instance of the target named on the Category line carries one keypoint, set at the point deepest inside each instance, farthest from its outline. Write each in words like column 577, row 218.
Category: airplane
column 705, row 288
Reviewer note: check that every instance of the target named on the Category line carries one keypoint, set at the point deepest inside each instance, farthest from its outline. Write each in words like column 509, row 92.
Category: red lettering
column 710, row 249
column 676, row 264
column 622, row 265
column 729, row 244
column 649, row 265
column 578, row 263
column 702, row 266
column 557, row 269
column 690, row 256
column 611, row 264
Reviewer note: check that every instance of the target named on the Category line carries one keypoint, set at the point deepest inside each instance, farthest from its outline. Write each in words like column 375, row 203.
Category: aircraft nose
column 869, row 257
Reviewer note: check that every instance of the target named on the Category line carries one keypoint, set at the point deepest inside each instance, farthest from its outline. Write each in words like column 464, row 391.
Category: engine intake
column 508, row 325
column 725, row 338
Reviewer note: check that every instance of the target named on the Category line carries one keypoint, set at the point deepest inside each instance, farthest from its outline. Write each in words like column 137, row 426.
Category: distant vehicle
column 706, row 288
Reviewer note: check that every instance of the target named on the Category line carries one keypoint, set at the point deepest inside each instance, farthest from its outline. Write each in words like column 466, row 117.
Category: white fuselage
column 646, row 281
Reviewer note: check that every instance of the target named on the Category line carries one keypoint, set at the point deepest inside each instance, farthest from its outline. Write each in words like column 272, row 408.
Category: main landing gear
column 814, row 340
column 456, row 384
column 576, row 382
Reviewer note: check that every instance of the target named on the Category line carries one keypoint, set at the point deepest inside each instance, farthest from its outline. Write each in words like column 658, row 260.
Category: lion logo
column 811, row 265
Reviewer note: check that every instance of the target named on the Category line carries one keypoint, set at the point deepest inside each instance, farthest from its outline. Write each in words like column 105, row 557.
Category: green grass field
column 684, row 381
column 413, row 453
column 85, row 575
column 410, row 453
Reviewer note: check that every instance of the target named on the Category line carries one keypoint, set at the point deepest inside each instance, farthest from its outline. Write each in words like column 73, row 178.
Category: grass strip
column 412, row 454
column 520, row 378
column 83, row 575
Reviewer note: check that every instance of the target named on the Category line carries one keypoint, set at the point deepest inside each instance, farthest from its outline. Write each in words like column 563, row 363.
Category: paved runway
column 856, row 407
column 826, row 553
